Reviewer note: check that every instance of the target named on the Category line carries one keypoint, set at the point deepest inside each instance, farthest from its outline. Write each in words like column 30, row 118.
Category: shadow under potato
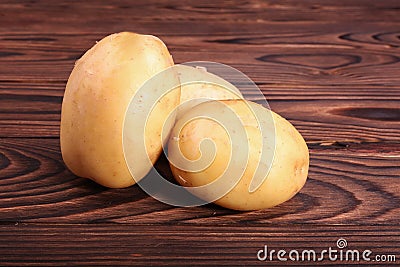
column 160, row 184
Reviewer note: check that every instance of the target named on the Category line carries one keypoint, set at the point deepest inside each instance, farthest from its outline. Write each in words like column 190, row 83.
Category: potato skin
column 96, row 97
column 289, row 168
column 216, row 88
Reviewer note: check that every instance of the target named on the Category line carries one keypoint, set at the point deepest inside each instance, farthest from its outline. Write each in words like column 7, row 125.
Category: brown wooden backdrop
column 331, row 67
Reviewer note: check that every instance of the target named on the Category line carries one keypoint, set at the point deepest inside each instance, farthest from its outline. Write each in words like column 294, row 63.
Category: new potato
column 207, row 87
column 289, row 167
column 96, row 98
column 109, row 118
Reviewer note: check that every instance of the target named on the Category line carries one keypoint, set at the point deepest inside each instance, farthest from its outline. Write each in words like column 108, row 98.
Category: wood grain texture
column 330, row 67
column 347, row 183
column 128, row 245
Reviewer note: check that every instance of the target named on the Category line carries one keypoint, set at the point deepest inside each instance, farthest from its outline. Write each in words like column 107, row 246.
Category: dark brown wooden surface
column 331, row 67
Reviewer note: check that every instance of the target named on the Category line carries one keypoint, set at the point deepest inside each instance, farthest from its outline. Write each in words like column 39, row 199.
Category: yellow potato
column 208, row 87
column 96, row 98
column 196, row 162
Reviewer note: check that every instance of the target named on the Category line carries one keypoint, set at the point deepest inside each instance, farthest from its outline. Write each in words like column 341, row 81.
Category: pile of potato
column 107, row 80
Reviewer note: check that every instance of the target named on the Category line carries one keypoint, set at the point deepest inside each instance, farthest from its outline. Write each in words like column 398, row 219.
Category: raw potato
column 290, row 162
column 96, row 98
column 216, row 88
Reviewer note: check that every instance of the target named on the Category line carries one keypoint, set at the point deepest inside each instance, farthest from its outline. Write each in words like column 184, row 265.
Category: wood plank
column 348, row 183
column 146, row 245
column 308, row 54
column 111, row 15
column 36, row 113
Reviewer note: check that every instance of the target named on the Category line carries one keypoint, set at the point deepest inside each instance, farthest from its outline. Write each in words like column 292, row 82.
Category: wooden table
column 330, row 67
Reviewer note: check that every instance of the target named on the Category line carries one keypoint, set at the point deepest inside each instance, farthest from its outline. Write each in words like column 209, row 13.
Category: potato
column 96, row 98
column 207, row 87
column 228, row 173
